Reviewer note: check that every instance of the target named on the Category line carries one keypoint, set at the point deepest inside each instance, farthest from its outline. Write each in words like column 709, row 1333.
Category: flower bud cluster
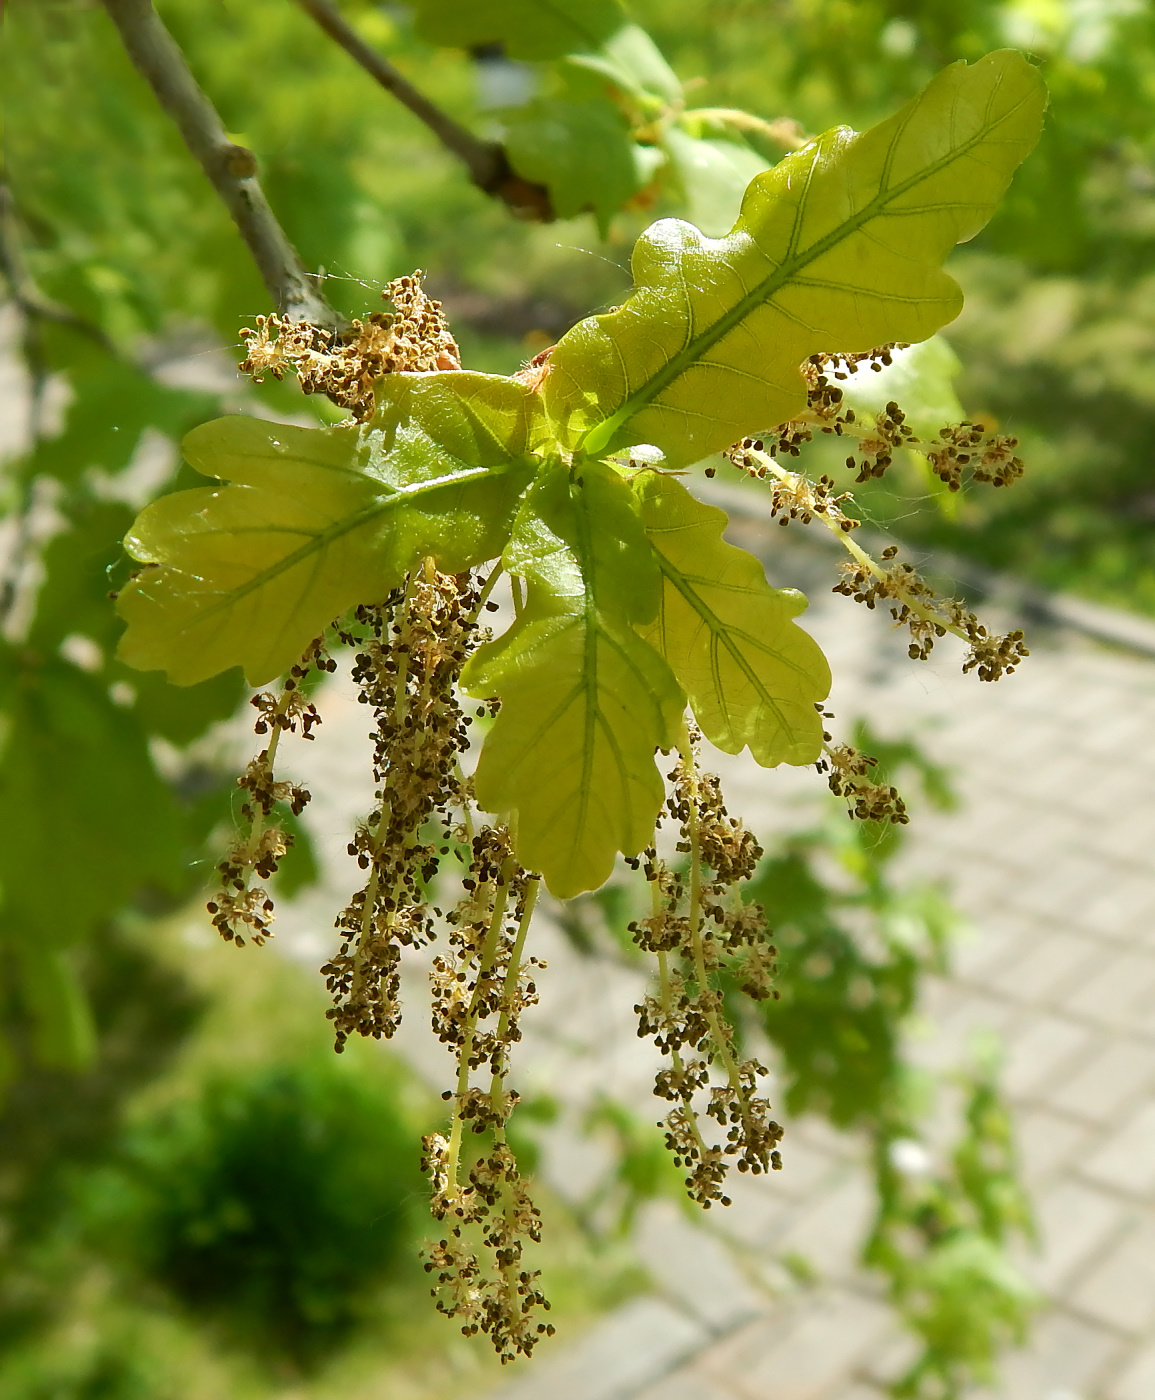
column 501, row 1301
column 990, row 456
column 241, row 911
column 346, row 365
column 477, row 981
column 480, row 988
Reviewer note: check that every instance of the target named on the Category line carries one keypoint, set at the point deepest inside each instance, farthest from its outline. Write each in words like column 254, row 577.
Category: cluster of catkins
column 914, row 605
column 409, row 654
column 928, row 615
column 699, row 927
column 240, row 910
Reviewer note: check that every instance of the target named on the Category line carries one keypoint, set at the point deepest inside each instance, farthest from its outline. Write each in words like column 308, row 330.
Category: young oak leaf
column 315, row 520
column 584, row 700
column 752, row 675
column 838, row 247
column 582, row 150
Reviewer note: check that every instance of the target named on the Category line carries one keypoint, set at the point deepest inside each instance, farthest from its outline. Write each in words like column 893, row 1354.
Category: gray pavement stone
column 819, row 1346
column 1127, row 1159
column 828, row 1231
column 1119, row 1291
column 694, row 1270
column 1124, row 908
column 1075, row 1223
column 688, row 1385
column 1119, row 994
column 1067, row 1355
column 1041, row 1049
column 1108, row 1083
column 1137, row 1380
column 1047, row 967
column 1050, row 1145
column 627, row 1350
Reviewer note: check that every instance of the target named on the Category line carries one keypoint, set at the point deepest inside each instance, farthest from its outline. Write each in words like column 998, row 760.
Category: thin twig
column 486, row 161
column 232, row 169
column 34, row 304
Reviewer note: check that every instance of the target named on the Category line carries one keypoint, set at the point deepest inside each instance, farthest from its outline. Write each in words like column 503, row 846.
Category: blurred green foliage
column 272, row 1201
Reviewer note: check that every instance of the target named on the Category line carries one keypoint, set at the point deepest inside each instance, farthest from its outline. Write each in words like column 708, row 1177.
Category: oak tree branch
column 231, row 169
column 486, row 161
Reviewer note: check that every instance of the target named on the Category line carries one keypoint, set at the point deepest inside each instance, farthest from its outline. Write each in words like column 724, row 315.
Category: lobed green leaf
column 752, row 675
column 318, row 519
column 582, row 149
column 585, row 701
column 838, row 247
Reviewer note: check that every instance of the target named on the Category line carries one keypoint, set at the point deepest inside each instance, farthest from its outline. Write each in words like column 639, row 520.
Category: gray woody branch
column 231, row 168
column 486, row 161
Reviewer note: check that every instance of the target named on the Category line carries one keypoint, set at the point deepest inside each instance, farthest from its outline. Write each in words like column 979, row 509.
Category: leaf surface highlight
column 838, row 248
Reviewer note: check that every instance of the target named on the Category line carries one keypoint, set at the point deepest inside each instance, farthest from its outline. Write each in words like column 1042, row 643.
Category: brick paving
column 1050, row 858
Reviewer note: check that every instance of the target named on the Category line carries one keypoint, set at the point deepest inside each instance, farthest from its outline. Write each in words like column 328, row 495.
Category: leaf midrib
column 598, row 438
column 723, row 635
column 333, row 532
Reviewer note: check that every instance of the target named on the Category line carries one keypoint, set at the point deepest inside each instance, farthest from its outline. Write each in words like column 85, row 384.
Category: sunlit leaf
column 839, row 247
column 752, row 675
column 584, row 700
column 316, row 520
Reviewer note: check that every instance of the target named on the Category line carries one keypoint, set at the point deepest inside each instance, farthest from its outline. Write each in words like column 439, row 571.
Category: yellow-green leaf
column 315, row 520
column 584, row 700
column 838, row 248
column 752, row 675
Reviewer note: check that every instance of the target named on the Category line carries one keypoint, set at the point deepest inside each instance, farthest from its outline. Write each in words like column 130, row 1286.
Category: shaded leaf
column 63, row 1033
column 582, row 150
column 526, row 29
column 90, row 821
column 752, row 675
column 838, row 247
column 318, row 519
column 920, row 379
column 584, row 700
column 713, row 175
column 631, row 60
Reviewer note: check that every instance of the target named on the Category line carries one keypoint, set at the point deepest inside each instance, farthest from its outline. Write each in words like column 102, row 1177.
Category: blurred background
column 196, row 1198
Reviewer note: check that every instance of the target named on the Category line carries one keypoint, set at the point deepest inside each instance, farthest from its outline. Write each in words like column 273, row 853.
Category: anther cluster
column 850, row 776
column 242, row 911
column 408, row 659
column 345, row 365
column 480, row 988
column 699, row 927
column 928, row 615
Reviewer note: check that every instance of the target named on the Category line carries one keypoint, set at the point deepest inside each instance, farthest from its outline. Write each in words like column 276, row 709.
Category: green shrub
column 274, row 1203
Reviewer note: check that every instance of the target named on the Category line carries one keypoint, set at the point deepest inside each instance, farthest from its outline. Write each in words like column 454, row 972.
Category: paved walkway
column 1051, row 857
